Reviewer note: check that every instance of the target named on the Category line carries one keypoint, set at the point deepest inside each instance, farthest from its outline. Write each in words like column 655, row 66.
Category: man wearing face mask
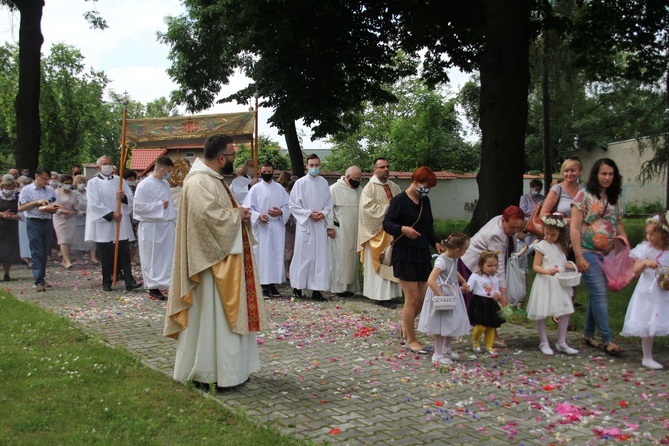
column 102, row 217
column 310, row 204
column 154, row 209
column 55, row 180
column 379, row 283
column 343, row 233
column 268, row 202
column 214, row 308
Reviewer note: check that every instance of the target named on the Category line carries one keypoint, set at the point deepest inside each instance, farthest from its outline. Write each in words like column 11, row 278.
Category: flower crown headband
column 554, row 220
column 655, row 220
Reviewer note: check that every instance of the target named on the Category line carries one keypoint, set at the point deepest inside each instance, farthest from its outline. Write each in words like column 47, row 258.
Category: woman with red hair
column 409, row 219
column 496, row 235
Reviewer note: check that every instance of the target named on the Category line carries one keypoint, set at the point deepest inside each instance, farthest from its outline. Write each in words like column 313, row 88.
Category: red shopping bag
column 617, row 265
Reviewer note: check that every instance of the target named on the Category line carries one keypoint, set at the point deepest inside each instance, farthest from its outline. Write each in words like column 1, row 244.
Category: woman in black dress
column 10, row 252
column 409, row 219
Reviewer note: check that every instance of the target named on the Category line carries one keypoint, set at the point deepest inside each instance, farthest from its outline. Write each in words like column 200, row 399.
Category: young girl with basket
column 648, row 311
column 551, row 294
column 443, row 319
column 484, row 305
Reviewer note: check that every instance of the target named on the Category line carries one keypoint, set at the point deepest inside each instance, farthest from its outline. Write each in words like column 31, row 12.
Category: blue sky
column 128, row 51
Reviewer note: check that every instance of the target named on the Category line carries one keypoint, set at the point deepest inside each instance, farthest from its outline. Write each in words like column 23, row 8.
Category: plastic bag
column 515, row 280
column 617, row 265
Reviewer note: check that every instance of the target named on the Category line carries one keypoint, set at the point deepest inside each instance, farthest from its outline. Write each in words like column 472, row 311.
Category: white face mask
column 67, row 186
column 106, row 170
column 81, row 186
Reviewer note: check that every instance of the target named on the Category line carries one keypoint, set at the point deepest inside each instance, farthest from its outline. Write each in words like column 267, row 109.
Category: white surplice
column 101, row 194
column 309, row 268
column 240, row 188
column 271, row 236
column 344, row 259
column 155, row 234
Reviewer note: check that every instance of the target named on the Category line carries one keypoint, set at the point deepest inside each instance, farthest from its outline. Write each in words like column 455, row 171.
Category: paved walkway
column 335, row 372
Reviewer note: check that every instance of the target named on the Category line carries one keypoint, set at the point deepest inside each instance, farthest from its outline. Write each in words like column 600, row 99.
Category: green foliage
column 421, row 128
column 47, row 363
column 444, row 227
column 71, row 108
column 267, row 150
column 645, row 208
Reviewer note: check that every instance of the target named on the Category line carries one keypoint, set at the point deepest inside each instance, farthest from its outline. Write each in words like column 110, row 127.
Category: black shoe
column 274, row 292
column 155, row 294
column 317, row 295
column 346, row 294
column 265, row 292
column 106, row 287
column 133, row 286
column 297, row 294
column 387, row 304
column 7, row 278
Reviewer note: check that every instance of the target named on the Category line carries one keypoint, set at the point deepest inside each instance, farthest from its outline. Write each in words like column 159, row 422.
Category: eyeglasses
column 572, row 158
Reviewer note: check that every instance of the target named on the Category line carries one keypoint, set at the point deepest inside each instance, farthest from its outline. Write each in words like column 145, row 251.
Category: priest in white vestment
column 214, row 308
column 268, row 202
column 343, row 233
column 154, row 209
column 310, row 204
column 102, row 217
column 379, row 283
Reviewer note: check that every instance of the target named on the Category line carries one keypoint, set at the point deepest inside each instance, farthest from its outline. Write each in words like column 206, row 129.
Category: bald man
column 343, row 233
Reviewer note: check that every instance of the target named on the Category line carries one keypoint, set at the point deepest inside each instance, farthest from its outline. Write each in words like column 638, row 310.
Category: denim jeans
column 40, row 233
column 597, row 312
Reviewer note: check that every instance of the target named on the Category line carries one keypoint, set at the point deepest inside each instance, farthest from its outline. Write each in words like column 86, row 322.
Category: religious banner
column 190, row 127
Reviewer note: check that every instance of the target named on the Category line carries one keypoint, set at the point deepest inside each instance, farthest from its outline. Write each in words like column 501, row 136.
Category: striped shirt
column 32, row 193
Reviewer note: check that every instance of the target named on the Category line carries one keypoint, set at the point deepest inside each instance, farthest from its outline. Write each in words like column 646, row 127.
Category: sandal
column 611, row 349
column 592, row 342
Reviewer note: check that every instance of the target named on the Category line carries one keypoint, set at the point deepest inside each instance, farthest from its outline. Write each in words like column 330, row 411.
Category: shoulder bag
column 387, row 255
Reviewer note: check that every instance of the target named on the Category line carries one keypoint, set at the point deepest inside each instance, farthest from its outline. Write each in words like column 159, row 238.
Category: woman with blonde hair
column 63, row 219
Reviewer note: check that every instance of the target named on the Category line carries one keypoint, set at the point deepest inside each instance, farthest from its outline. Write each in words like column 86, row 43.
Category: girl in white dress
column 648, row 311
column 548, row 297
column 445, row 324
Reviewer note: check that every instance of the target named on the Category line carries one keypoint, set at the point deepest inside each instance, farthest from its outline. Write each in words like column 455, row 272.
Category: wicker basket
column 662, row 277
column 568, row 277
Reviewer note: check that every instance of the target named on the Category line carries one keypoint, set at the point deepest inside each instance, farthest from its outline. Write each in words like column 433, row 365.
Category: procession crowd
column 222, row 250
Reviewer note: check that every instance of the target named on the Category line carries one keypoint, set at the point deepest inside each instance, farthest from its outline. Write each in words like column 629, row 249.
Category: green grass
column 61, row 386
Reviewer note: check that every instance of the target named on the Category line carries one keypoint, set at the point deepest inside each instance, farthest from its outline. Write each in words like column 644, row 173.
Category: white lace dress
column 648, row 310
column 548, row 297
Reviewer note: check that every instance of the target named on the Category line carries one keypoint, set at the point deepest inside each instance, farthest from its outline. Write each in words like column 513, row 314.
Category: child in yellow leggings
column 484, row 305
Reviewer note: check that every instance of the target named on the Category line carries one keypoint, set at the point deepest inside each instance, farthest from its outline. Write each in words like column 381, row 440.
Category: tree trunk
column 294, row 150
column 546, row 115
column 505, row 79
column 26, row 105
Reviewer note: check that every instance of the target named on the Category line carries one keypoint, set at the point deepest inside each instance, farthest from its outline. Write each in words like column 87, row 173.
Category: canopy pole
column 121, row 170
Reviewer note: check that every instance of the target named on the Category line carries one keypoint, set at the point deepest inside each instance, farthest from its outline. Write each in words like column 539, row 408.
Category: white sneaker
column 451, row 354
column 476, row 349
column 546, row 349
column 441, row 360
column 651, row 364
column 564, row 348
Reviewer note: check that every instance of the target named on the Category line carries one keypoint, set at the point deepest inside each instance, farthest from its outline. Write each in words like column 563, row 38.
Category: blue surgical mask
column 167, row 176
column 534, row 193
column 314, row 171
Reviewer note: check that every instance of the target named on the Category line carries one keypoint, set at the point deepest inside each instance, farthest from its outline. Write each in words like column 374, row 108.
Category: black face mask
column 267, row 177
column 354, row 184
